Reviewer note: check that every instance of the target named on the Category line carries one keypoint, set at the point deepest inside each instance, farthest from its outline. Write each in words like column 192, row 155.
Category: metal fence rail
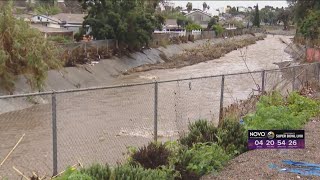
column 97, row 124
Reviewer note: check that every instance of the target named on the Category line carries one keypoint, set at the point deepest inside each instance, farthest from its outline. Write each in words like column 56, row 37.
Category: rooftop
column 70, row 18
column 45, row 29
column 200, row 11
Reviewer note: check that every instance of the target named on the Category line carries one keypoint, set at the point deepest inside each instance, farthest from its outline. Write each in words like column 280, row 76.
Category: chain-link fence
column 46, row 132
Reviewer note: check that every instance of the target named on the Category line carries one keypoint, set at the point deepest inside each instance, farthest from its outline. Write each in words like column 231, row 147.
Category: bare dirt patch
column 206, row 52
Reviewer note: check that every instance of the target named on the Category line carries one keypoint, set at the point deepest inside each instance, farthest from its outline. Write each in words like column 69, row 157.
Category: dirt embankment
column 209, row 50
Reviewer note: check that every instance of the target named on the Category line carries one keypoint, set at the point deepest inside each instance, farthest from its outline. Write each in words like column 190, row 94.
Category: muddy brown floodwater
column 97, row 126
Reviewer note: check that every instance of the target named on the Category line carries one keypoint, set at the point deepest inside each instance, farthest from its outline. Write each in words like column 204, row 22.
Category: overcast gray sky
column 214, row 4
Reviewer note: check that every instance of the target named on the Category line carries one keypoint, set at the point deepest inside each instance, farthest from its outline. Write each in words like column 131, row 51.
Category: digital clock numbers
column 276, row 139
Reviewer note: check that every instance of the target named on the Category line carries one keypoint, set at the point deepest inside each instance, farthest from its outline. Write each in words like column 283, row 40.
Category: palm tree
column 189, row 6
column 205, row 6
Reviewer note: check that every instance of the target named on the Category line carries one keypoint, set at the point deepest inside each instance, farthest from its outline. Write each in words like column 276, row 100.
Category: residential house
column 46, row 21
column 171, row 24
column 59, row 24
column 71, row 21
column 51, row 31
column 199, row 17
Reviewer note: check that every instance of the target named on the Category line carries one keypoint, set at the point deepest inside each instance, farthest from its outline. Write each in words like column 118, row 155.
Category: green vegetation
column 206, row 148
column 205, row 6
column 310, row 26
column 126, row 172
column 200, row 159
column 213, row 21
column 218, row 29
column 275, row 112
column 306, row 17
column 226, row 134
column 268, row 15
column 200, row 131
column 189, row 6
column 193, row 26
column 46, row 9
column 60, row 39
column 130, row 22
column 97, row 172
column 122, row 172
column 23, row 51
column 152, row 156
column 182, row 21
column 256, row 19
column 73, row 174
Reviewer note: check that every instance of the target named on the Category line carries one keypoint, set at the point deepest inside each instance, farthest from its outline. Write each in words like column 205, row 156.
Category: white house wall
column 53, row 25
column 200, row 18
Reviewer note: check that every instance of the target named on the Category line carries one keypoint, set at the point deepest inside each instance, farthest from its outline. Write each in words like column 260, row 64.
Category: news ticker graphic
column 276, row 139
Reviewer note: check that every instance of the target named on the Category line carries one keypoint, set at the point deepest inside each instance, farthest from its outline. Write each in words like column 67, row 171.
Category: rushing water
column 97, row 126
column 259, row 56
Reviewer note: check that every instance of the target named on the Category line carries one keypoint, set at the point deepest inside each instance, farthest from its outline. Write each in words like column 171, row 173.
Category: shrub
column 73, row 174
column 274, row 113
column 200, row 131
column 193, row 26
column 47, row 9
column 24, row 51
column 301, row 104
column 97, row 172
column 59, row 39
column 272, row 99
column 201, row 159
column 128, row 172
column 218, row 29
column 152, row 156
column 232, row 137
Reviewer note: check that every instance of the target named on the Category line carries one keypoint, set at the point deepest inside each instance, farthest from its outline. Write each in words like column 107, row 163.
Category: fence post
column 54, row 134
column 221, row 100
column 107, row 45
column 294, row 78
column 306, row 75
column 155, row 130
column 263, row 81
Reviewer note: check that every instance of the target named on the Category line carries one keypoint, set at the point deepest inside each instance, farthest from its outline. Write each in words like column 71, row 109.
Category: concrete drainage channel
column 98, row 125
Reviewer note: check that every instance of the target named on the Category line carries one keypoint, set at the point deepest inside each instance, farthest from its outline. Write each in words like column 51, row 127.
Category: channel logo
column 270, row 135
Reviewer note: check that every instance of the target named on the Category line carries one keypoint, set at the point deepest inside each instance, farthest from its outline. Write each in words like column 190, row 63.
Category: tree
column 213, row 21
column 189, row 7
column 233, row 11
column 178, row 8
column 130, row 22
column 218, row 29
column 301, row 8
column 268, row 15
column 24, row 51
column 193, row 26
column 284, row 15
column 204, row 6
column 256, row 20
column 310, row 26
column 182, row 21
